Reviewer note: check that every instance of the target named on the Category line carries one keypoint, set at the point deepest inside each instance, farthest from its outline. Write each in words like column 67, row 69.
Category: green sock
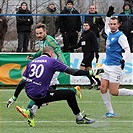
column 90, row 73
column 30, row 104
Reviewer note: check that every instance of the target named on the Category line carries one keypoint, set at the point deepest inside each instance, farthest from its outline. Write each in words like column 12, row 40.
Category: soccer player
column 114, row 63
column 47, row 40
column 38, row 75
column 44, row 40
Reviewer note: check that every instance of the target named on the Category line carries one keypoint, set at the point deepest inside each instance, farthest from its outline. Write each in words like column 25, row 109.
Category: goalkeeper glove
column 11, row 101
column 110, row 11
column 96, row 71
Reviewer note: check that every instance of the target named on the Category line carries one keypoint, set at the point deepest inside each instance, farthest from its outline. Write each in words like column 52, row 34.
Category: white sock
column 107, row 101
column 34, row 109
column 79, row 116
column 125, row 92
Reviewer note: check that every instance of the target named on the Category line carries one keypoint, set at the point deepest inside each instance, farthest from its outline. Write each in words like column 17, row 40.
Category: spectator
column 104, row 35
column 127, row 23
column 89, row 45
column 69, row 26
column 3, row 29
column 52, row 22
column 23, row 27
column 96, row 23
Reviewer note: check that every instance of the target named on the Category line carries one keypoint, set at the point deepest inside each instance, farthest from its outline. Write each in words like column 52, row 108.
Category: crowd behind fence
column 10, row 43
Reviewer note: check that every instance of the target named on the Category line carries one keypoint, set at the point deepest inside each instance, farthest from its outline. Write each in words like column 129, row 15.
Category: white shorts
column 54, row 80
column 113, row 74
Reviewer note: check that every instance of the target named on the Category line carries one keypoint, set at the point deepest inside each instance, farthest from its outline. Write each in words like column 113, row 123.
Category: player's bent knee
column 114, row 93
column 103, row 90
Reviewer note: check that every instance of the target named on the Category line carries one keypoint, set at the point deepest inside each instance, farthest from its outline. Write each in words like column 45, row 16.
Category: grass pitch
column 57, row 117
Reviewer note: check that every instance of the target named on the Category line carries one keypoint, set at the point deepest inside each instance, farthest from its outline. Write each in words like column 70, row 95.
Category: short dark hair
column 86, row 22
column 41, row 25
column 23, row 3
column 114, row 18
column 70, row 1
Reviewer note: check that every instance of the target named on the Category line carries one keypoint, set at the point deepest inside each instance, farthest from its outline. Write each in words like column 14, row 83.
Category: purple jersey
column 39, row 73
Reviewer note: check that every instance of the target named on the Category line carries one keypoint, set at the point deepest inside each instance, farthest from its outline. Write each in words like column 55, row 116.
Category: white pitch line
column 67, row 121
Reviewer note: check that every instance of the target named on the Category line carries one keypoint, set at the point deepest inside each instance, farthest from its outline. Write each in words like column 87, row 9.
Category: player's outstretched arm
column 77, row 72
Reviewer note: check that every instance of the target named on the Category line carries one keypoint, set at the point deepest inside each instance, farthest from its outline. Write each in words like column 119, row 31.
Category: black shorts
column 53, row 95
column 58, row 95
column 87, row 60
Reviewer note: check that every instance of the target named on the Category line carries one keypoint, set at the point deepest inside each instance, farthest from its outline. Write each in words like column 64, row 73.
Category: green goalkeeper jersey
column 50, row 41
